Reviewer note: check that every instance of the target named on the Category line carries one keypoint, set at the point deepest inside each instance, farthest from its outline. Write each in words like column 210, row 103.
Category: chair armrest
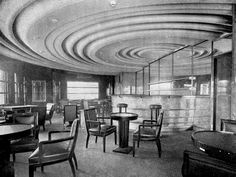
column 149, row 121
column 54, row 132
column 148, row 125
column 93, row 121
column 100, row 117
column 42, row 143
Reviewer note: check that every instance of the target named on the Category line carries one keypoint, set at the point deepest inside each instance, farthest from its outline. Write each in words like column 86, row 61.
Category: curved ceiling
column 108, row 36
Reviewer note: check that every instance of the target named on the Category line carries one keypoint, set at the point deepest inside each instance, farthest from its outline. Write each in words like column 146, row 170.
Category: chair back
column 90, row 115
column 122, row 106
column 28, row 118
column 155, row 111
column 228, row 125
column 70, row 113
column 41, row 110
column 73, row 133
column 104, row 109
column 159, row 121
column 50, row 111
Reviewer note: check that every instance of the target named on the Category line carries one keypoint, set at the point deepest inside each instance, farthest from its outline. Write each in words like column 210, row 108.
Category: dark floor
column 93, row 162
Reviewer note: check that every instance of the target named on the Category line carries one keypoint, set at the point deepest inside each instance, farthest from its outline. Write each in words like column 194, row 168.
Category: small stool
column 155, row 111
column 121, row 106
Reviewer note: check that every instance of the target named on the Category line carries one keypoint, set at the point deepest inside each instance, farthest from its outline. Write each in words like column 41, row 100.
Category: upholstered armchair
column 96, row 128
column 150, row 130
column 56, row 150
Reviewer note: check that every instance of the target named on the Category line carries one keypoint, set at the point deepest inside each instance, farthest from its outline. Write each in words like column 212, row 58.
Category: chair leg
column 43, row 127
column 104, row 144
column 87, row 140
column 31, row 171
column 158, row 142
column 115, row 137
column 76, row 165
column 42, row 169
column 133, row 148
column 72, row 167
column 138, row 143
column 13, row 157
column 96, row 139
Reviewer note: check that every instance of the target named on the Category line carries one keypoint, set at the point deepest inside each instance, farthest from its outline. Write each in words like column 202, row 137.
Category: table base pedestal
column 125, row 150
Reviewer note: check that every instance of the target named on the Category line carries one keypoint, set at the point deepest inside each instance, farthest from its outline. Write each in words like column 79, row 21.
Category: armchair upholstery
column 70, row 113
column 29, row 143
column 55, row 151
column 149, row 132
column 96, row 128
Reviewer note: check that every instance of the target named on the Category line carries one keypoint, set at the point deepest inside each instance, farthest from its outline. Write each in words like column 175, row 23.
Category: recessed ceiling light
column 54, row 20
column 113, row 3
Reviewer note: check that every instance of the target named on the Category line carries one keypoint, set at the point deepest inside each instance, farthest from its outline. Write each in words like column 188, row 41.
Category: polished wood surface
column 7, row 133
column 123, row 120
column 17, row 107
column 216, row 144
column 13, row 131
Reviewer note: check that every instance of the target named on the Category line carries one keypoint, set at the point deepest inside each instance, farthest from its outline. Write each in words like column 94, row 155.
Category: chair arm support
column 42, row 143
column 148, row 125
column 149, row 121
column 54, row 132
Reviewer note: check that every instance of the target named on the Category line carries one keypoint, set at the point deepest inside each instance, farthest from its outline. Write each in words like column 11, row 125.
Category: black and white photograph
column 117, row 88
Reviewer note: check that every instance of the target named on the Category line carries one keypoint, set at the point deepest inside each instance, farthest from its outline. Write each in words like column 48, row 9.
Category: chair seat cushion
column 104, row 129
column 52, row 153
column 24, row 144
column 146, row 133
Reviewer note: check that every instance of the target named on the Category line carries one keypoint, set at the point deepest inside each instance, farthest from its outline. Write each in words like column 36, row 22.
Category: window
column 38, row 91
column 4, row 95
column 82, row 90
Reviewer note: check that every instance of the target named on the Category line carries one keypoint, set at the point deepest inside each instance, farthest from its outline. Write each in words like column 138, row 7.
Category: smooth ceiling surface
column 109, row 36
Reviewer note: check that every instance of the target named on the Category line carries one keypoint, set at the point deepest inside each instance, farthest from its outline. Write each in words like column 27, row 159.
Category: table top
column 218, row 144
column 18, row 106
column 13, row 131
column 124, row 115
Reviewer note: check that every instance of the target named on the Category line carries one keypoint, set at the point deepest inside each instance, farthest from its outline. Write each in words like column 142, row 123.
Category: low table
column 123, row 120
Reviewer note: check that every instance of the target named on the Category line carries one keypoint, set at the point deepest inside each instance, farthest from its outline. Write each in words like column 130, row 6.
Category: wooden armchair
column 29, row 143
column 50, row 111
column 55, row 151
column 41, row 110
column 70, row 113
column 149, row 132
column 228, row 125
column 96, row 128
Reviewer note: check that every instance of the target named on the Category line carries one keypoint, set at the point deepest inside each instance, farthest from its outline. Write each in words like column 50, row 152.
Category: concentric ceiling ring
column 94, row 37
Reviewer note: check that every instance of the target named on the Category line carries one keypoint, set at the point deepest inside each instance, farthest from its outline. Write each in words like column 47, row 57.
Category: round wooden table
column 216, row 144
column 123, row 120
column 7, row 133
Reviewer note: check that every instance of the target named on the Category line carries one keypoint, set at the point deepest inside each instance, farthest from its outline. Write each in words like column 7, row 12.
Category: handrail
column 168, row 81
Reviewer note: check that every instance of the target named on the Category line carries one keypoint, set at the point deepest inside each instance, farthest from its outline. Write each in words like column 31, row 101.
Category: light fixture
column 113, row 3
column 54, row 20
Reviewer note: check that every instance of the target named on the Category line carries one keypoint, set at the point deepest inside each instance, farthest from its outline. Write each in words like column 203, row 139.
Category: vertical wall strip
column 143, row 81
column 213, row 87
column 149, row 79
column 136, row 82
